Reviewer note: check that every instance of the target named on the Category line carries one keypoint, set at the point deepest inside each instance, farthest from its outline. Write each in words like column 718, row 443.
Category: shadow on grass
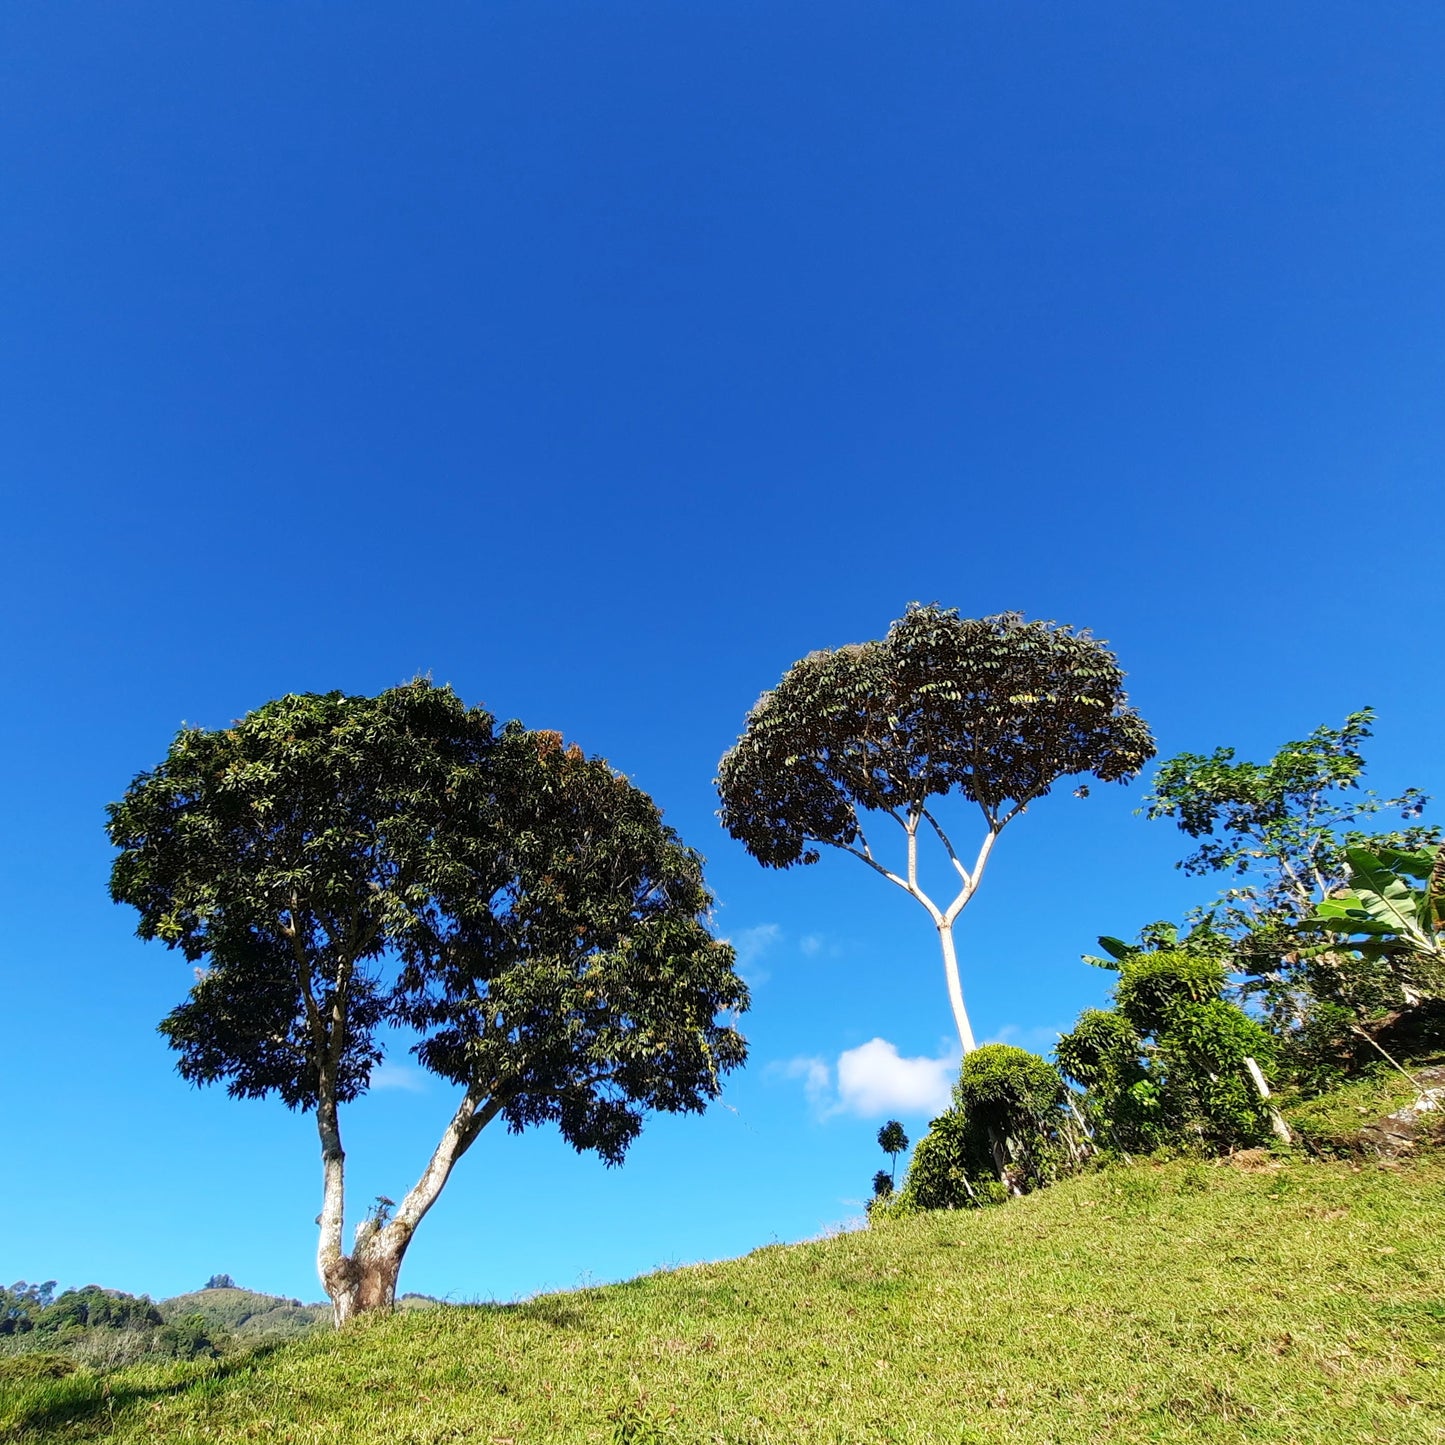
column 86, row 1405
column 549, row 1310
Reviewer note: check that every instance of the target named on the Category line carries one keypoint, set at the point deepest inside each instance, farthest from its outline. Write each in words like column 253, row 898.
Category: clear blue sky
column 601, row 359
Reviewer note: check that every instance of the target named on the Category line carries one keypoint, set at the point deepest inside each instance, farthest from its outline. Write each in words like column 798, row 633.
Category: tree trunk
column 1276, row 1119
column 955, row 989
column 366, row 1280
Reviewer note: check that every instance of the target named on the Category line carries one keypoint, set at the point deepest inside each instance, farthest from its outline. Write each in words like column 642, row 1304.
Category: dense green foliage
column 545, row 928
column 1288, row 835
column 1008, row 1132
column 340, row 864
column 1166, row 1067
column 1156, row 1305
column 996, row 709
column 1391, row 914
column 99, row 1326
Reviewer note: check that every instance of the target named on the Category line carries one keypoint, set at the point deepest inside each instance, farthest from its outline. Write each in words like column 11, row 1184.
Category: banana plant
column 1392, row 911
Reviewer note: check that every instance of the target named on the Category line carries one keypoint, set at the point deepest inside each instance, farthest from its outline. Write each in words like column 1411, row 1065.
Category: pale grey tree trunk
column 1276, row 1119
column 955, row 987
column 365, row 1280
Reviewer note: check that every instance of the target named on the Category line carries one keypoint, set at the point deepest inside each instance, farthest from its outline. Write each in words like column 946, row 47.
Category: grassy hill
column 245, row 1313
column 1294, row 1302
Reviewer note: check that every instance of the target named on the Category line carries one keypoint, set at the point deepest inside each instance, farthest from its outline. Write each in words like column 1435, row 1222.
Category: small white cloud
column 875, row 1079
column 816, row 1076
column 398, row 1076
column 751, row 944
column 811, row 944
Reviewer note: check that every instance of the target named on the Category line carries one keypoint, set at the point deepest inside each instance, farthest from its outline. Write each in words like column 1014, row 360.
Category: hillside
column 1292, row 1302
column 245, row 1313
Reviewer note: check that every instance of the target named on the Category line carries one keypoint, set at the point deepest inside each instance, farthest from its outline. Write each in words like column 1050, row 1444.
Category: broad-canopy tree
column 995, row 709
column 340, row 865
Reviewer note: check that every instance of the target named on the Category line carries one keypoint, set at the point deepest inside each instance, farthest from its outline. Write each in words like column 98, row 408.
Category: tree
column 342, row 864
column 1386, row 917
column 995, row 709
column 892, row 1141
column 1284, row 831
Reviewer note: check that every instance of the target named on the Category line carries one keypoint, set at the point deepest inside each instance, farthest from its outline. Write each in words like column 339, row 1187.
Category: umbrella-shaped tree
column 995, row 709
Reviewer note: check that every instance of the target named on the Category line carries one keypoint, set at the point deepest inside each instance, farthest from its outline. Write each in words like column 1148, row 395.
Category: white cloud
column 817, row 1080
column 398, row 1076
column 751, row 944
column 811, row 944
column 875, row 1080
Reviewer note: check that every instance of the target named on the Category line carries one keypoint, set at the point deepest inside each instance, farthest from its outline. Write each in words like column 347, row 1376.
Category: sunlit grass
column 1158, row 1303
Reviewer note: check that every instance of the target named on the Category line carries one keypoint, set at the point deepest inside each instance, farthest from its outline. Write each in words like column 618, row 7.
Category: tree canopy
column 341, row 865
column 994, row 709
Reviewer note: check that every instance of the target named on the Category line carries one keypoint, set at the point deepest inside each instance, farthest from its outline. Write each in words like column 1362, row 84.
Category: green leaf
column 1116, row 947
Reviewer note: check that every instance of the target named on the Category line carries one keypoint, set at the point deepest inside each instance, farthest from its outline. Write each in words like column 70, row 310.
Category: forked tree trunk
column 365, row 1280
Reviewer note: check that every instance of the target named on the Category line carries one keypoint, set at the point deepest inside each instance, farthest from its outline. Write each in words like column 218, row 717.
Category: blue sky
column 602, row 360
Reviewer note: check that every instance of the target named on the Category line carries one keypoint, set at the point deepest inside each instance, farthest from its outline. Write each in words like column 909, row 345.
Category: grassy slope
column 1159, row 1303
column 246, row 1312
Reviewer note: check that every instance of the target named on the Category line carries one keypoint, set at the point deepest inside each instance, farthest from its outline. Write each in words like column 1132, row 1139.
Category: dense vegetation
column 42, row 1332
column 339, row 864
column 1329, row 944
column 1223, row 1189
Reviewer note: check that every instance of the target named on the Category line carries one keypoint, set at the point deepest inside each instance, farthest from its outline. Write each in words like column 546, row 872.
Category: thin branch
column 303, row 971
column 911, row 889
column 948, row 846
column 875, row 866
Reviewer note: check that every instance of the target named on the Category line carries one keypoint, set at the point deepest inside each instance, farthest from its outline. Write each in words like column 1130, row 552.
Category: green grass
column 1330, row 1122
column 1179, row 1302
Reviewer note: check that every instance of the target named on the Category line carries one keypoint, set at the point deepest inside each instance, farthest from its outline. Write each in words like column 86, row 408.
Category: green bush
column 1165, row 1069
column 22, row 1369
column 1008, row 1132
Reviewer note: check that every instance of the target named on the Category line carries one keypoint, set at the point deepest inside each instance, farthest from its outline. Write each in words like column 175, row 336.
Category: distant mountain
column 246, row 1314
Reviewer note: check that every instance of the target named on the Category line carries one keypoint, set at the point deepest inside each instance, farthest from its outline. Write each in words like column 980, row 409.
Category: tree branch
column 944, row 839
column 911, row 889
column 975, row 875
column 474, row 1113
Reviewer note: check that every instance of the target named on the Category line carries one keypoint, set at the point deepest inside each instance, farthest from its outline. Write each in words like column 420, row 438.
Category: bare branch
column 912, row 889
column 473, row 1114
column 948, row 846
column 975, row 875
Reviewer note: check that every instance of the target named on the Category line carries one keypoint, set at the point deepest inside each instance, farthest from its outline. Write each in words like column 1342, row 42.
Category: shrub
column 1008, row 1132
column 1167, row 1067
column 22, row 1369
